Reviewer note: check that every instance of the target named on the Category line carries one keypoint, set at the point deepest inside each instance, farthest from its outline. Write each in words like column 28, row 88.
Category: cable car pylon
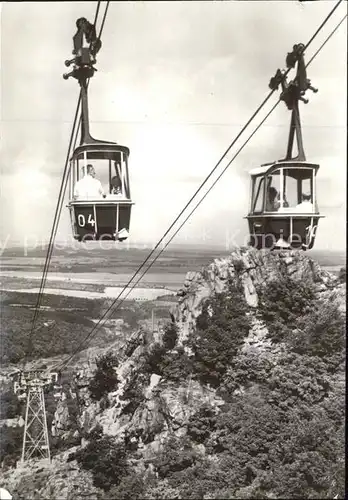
column 30, row 385
column 99, row 209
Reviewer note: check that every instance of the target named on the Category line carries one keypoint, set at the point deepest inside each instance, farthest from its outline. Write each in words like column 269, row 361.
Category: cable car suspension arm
column 86, row 46
column 291, row 94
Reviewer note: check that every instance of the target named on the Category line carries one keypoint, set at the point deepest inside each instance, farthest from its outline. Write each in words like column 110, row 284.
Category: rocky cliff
column 149, row 403
column 253, row 269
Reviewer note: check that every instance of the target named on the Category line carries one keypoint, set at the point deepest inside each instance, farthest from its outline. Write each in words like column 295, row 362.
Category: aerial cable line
column 60, row 200
column 326, row 40
column 104, row 18
column 96, row 13
column 111, row 307
column 54, row 230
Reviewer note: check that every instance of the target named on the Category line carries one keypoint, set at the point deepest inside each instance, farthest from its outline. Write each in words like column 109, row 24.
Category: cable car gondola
column 283, row 210
column 96, row 213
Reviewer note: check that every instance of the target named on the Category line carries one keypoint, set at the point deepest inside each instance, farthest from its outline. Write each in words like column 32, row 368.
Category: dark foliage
column 11, row 439
column 60, row 329
column 221, row 329
column 153, row 359
column 134, row 393
column 201, row 424
column 282, row 303
column 170, row 336
column 131, row 487
column 176, row 455
column 171, row 365
column 280, row 433
column 321, row 332
column 342, row 276
column 105, row 458
column 63, row 334
column 282, row 437
column 105, row 378
column 307, row 325
column 10, row 406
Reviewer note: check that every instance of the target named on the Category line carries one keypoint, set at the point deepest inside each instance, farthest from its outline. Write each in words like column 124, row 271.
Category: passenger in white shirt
column 88, row 187
column 305, row 206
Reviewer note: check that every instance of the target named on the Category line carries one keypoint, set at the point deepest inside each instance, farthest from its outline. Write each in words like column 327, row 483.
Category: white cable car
column 283, row 210
column 99, row 192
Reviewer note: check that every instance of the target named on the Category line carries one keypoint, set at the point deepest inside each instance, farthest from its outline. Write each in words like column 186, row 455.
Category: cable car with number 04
column 99, row 192
column 283, row 212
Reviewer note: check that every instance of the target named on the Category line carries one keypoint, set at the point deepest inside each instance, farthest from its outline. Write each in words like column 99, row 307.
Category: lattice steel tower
column 35, row 438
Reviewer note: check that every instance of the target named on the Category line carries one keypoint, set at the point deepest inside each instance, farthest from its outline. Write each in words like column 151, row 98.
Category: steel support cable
column 326, row 40
column 96, row 13
column 104, row 18
column 111, row 307
column 60, row 200
column 67, row 169
column 54, row 228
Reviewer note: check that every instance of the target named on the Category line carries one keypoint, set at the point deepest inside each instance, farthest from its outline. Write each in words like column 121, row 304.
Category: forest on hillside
column 63, row 322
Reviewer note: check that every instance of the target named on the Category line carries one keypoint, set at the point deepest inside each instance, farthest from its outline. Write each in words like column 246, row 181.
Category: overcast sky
column 176, row 82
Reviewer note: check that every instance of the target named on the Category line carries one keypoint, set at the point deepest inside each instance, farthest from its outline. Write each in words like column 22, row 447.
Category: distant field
column 110, row 261
column 91, row 281
column 136, row 293
column 93, row 270
column 326, row 258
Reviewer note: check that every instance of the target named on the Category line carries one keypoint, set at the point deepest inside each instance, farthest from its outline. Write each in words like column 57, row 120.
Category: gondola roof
column 269, row 167
column 100, row 146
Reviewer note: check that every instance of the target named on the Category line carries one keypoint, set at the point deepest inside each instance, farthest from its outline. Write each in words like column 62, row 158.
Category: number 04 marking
column 90, row 220
column 82, row 221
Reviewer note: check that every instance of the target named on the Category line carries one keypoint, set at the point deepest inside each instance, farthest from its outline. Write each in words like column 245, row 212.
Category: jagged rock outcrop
column 39, row 480
column 253, row 269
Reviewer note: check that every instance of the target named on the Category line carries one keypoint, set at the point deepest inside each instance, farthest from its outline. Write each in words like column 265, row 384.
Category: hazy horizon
column 147, row 245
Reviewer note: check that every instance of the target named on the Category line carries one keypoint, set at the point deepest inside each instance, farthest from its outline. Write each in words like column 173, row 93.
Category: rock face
column 163, row 406
column 148, row 408
column 37, row 480
column 252, row 268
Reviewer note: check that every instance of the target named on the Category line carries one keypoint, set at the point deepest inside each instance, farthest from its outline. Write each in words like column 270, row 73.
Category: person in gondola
column 116, row 185
column 305, row 205
column 88, row 187
column 272, row 201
